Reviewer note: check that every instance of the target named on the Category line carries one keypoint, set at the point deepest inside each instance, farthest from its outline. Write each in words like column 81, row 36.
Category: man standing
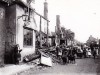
column 57, row 51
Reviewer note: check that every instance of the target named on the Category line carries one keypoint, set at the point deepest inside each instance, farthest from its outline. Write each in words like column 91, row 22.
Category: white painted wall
column 19, row 33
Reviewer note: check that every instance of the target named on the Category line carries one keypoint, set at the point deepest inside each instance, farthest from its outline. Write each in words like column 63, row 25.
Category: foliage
column 91, row 40
column 30, row 1
column 67, row 33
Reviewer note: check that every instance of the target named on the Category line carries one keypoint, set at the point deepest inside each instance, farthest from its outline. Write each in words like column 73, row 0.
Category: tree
column 70, row 35
column 91, row 40
column 67, row 34
column 30, row 1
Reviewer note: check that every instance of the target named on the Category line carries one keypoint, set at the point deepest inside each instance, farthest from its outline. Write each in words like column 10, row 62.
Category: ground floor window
column 28, row 37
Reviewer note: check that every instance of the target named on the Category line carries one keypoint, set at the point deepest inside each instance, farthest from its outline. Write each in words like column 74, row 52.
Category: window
column 28, row 37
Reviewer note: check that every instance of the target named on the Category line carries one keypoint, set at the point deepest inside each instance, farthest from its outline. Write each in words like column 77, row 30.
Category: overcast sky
column 81, row 16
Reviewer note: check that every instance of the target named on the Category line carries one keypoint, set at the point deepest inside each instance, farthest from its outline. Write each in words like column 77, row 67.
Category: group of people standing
column 68, row 54
column 64, row 54
column 88, row 52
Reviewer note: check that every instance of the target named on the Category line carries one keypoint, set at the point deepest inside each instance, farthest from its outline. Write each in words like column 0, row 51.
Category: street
column 84, row 66
column 38, row 37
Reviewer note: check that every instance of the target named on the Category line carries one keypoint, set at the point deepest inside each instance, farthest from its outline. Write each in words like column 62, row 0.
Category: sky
column 81, row 16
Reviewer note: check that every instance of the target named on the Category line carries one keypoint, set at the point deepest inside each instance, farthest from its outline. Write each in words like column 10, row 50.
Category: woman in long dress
column 89, row 52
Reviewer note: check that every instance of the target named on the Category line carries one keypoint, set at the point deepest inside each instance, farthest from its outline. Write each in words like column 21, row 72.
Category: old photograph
column 49, row 37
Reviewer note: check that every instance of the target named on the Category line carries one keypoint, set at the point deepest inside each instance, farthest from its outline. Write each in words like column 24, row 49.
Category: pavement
column 11, row 69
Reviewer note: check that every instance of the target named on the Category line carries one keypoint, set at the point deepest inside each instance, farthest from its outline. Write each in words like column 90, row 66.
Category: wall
column 10, row 25
column 14, row 29
column 11, row 31
column 2, row 33
column 19, row 32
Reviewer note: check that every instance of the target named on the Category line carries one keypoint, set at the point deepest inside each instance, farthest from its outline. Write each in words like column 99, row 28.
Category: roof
column 11, row 2
column 23, row 4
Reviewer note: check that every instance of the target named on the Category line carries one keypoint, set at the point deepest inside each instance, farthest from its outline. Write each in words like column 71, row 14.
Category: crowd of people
column 68, row 54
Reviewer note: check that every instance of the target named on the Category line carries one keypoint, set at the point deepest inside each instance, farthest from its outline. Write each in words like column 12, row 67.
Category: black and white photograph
column 49, row 37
